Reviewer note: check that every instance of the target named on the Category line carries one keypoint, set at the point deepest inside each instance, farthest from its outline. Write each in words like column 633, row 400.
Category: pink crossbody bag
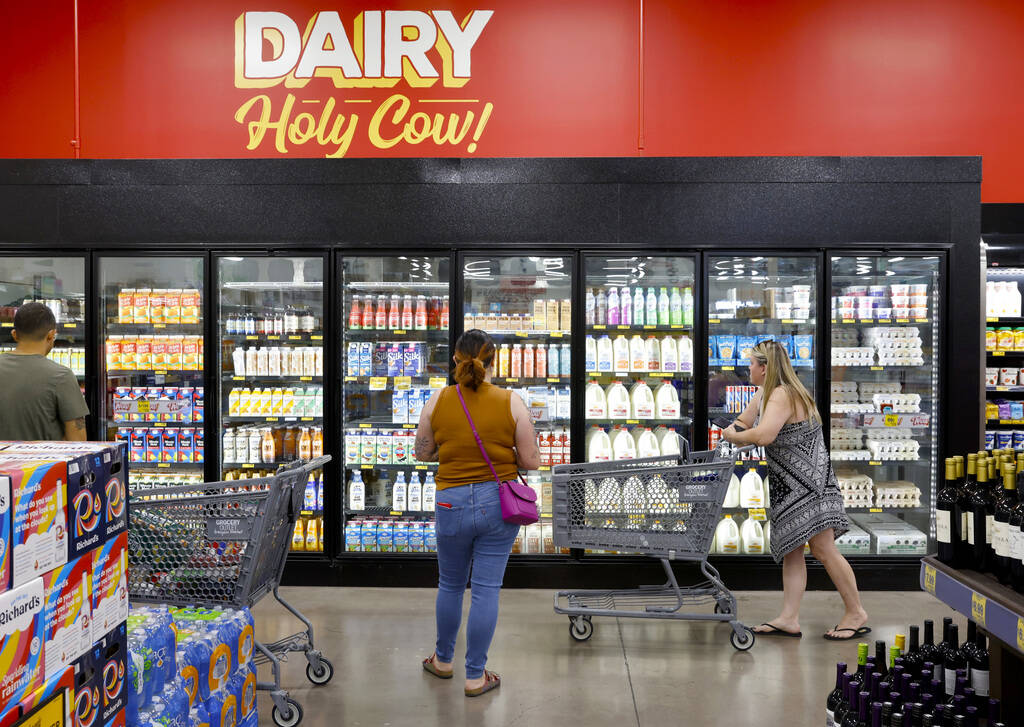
column 518, row 500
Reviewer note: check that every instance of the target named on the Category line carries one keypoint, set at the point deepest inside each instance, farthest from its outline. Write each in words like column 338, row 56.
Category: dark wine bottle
column 912, row 656
column 1000, row 526
column 947, row 523
column 862, row 663
column 850, row 719
column 1015, row 536
column 951, row 659
column 844, row 704
column 968, row 646
column 881, row 658
column 959, row 683
column 876, row 714
column 965, row 547
column 895, row 719
column 929, row 650
column 979, row 665
column 972, row 716
column 982, row 506
column 835, row 696
column 863, row 709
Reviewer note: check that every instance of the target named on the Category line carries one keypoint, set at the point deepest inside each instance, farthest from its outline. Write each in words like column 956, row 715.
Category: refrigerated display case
column 59, row 283
column 884, row 395
column 1004, row 358
column 153, row 365
column 525, row 302
column 270, row 326
column 394, row 351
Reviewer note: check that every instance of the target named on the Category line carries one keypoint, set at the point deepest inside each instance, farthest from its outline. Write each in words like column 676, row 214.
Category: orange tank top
column 460, row 460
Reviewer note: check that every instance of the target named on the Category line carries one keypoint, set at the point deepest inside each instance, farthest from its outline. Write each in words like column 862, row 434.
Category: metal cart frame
column 225, row 544
column 667, row 507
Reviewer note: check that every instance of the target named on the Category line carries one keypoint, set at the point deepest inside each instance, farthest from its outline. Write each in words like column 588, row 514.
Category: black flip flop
column 854, row 633
column 776, row 631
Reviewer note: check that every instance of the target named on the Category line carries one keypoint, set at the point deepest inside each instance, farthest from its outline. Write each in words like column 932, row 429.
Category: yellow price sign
column 978, row 603
column 438, row 382
column 875, row 462
column 998, row 353
column 758, row 513
column 421, row 466
column 52, row 713
column 714, row 320
column 757, row 320
column 929, row 579
column 7, row 324
column 728, row 368
column 558, row 334
column 1020, row 634
column 305, row 378
column 403, row 383
column 892, row 420
column 316, row 338
column 144, row 406
column 378, row 383
column 849, row 320
column 599, row 327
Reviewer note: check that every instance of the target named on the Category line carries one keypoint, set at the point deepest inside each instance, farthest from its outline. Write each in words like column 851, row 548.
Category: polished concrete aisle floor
column 632, row 672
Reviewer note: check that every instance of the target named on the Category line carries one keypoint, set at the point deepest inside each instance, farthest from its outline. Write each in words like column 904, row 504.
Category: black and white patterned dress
column 805, row 496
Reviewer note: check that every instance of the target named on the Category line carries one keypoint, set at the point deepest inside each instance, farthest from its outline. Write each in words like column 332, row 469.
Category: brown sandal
column 430, row 666
column 491, row 681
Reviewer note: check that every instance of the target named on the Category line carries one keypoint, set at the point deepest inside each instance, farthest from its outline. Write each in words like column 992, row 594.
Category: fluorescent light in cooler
column 895, row 259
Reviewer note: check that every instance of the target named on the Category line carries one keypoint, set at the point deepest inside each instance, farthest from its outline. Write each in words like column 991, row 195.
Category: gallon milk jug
column 623, row 446
column 599, row 445
column 752, row 536
column 752, row 490
column 767, row 489
column 609, row 495
column 597, row 405
column 653, row 354
column 685, row 349
column 732, row 495
column 767, row 537
column 605, row 355
column 666, row 401
column 619, row 406
column 668, row 441
column 646, row 442
column 590, row 359
column 621, row 357
column 669, row 354
column 641, row 401
column 637, row 354
column 727, row 536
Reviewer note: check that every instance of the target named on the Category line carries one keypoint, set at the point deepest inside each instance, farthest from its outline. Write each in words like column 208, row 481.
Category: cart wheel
column 291, row 718
column 321, row 676
column 722, row 607
column 581, row 628
column 744, row 642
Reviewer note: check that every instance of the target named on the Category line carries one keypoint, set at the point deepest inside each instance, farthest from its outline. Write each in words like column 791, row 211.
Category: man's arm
column 74, row 430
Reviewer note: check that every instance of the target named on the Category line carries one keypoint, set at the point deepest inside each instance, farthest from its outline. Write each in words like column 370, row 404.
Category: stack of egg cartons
column 848, row 444
column 845, row 398
column 896, row 345
column 892, row 443
column 857, row 488
column 898, row 493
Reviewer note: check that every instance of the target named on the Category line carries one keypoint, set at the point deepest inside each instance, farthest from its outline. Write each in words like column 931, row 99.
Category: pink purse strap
column 476, row 436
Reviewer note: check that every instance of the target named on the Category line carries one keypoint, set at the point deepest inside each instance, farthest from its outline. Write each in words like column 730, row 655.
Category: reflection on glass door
column 885, row 398
column 153, row 366
column 639, row 355
column 395, row 354
column 525, row 303
column 270, row 325
column 57, row 282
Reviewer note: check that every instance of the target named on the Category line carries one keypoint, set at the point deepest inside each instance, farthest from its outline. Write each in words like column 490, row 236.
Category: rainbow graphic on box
column 39, row 532
column 67, row 612
column 109, row 585
column 21, row 641
column 5, row 534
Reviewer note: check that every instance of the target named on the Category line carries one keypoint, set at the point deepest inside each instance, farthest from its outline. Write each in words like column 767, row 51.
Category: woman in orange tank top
column 470, row 530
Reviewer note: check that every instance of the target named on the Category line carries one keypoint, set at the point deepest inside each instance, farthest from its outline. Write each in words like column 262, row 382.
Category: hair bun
column 470, row 372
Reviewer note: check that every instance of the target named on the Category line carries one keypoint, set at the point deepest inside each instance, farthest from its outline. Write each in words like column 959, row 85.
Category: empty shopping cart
column 225, row 544
column 666, row 507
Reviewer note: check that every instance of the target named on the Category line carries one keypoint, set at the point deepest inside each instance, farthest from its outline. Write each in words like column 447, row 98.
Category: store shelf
column 883, row 462
column 167, row 465
column 270, row 379
column 758, row 321
column 529, row 334
column 415, row 466
column 1006, row 389
column 384, row 334
column 672, row 328
column 1006, row 322
column 1004, row 354
column 386, row 511
column 256, row 465
column 639, row 422
column 886, row 367
column 152, row 372
column 882, row 321
column 531, row 380
column 151, row 424
column 314, row 337
column 1005, row 422
column 641, row 374
column 145, row 329
column 274, row 418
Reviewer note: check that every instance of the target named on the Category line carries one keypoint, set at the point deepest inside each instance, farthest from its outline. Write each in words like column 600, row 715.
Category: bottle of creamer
column 605, row 355
column 685, row 352
column 727, row 536
column 666, row 401
column 623, row 446
column 590, row 359
column 668, row 440
column 637, row 354
column 646, row 442
column 621, row 357
column 751, row 490
column 415, row 492
column 599, row 446
column 732, row 495
column 399, row 500
column 429, row 493
column 641, row 401
column 626, row 317
column 356, row 492
column 619, row 406
column 669, row 354
column 653, row 354
column 752, row 536
column 638, row 307
column 597, row 404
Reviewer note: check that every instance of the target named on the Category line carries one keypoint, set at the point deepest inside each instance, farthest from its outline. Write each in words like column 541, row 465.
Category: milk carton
column 666, row 402
column 606, row 354
column 641, row 401
column 67, row 611
column 353, row 440
column 368, row 536
column 619, row 405
column 685, row 352
column 395, row 362
column 21, row 641
column 563, row 402
column 353, row 542
column 38, row 516
column 110, row 585
column 590, row 355
column 413, row 359
column 417, row 400
column 400, row 406
column 596, row 402
column 599, row 445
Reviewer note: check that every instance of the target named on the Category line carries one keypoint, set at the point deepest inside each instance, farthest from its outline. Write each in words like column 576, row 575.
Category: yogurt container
column 991, row 376
column 990, row 339
column 1004, row 439
column 1009, row 376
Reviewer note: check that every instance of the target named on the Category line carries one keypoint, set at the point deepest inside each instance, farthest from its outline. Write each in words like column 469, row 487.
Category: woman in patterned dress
column 806, row 504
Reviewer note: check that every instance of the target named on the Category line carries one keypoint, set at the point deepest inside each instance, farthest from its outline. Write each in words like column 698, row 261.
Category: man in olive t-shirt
column 39, row 399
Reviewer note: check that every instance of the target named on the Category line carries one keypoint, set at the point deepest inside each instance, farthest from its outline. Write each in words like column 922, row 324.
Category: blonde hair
column 779, row 372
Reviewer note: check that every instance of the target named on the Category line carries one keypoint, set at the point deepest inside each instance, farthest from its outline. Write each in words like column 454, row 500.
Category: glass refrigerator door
column 270, row 324
column 525, row 304
column 1004, row 358
column 751, row 299
column 153, row 366
column 395, row 354
column 639, row 355
column 885, row 399
column 58, row 282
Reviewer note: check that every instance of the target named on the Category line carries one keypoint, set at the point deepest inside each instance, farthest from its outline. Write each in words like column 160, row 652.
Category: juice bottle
column 172, row 306
column 287, row 401
column 565, row 315
column 528, row 368
column 233, row 403
column 305, row 445
column 614, row 311
column 394, row 312
column 638, row 307
column 278, row 435
column 540, row 365
column 676, row 308
column 664, row 308
column 420, row 317
column 317, row 448
column 355, row 315
column 380, row 318
column 517, row 360
column 626, row 304
column 268, row 452
column 444, row 316
column 299, row 535
column 503, row 361
column 311, row 534
column 407, row 312
column 288, row 446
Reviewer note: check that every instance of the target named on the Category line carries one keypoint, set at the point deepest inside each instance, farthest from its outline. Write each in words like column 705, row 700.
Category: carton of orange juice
column 141, row 304
column 172, row 306
column 126, row 306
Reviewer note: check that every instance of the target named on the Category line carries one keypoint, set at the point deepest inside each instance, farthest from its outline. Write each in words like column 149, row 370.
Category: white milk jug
column 685, row 349
column 609, row 495
column 605, row 355
column 752, row 536
column 653, row 354
column 666, row 401
column 597, row 405
column 668, row 441
column 641, row 401
column 646, row 442
column 767, row 537
column 637, row 353
column 599, row 446
column 669, row 354
column 727, row 536
column 732, row 495
column 623, row 446
column 590, row 357
column 621, row 357
column 767, row 490
column 619, row 406
column 752, row 490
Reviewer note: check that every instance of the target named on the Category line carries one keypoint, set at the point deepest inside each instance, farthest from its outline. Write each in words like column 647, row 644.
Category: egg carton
column 850, row 455
column 845, row 397
column 846, row 439
column 843, row 337
column 867, row 390
column 853, row 408
column 858, row 499
column 851, row 475
column 844, row 387
column 900, row 403
column 888, row 434
column 897, row 344
column 853, row 356
column 901, row 360
column 851, row 480
column 897, row 494
column 890, row 333
column 893, row 449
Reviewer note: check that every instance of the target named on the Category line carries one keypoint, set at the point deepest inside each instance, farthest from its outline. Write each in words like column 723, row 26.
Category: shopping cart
column 667, row 507
column 216, row 544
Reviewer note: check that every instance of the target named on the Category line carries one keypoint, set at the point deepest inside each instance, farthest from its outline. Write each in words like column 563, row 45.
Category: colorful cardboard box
column 88, row 702
column 49, row 706
column 6, row 532
column 67, row 613
column 113, row 650
column 21, row 641
column 110, row 585
column 117, row 720
column 38, row 516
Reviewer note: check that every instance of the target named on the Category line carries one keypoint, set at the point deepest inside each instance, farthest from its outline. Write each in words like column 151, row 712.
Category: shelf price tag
column 714, row 320
column 248, row 466
column 867, row 320
column 70, row 325
column 929, row 579
column 364, row 425
column 877, row 368
column 557, row 334
column 271, row 419
column 875, row 462
column 544, row 468
column 892, row 420
column 396, row 513
column 273, row 338
column 1020, row 634
column 510, row 378
column 251, row 338
column 1002, row 388
column 159, row 325
column 409, row 426
column 849, row 320
column 991, row 320
column 978, row 603
column 7, row 324
column 305, row 378
column 522, row 334
column 757, row 320
column 378, row 383
column 554, row 381
column 646, row 327
column 676, row 325
column 403, row 383
column 290, row 338
column 875, row 509
column 306, row 419
column 920, row 320
column 661, row 374
column 758, row 514
column 142, row 406
column 238, row 378
column 597, row 327
column 623, row 327
column 438, row 382
column 399, row 332
column 632, row 421
column 164, row 465
column 788, row 320
column 728, row 368
column 161, row 372
column 903, row 320
column 998, row 353
column 421, row 467
column 316, row 338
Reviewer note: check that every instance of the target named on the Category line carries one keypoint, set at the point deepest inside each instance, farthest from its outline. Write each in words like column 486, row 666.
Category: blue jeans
column 470, row 532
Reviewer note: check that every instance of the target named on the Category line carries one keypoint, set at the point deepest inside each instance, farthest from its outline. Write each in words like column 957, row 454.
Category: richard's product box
column 67, row 614
column 109, row 585
column 38, row 515
column 48, row 706
column 113, row 671
column 117, row 720
column 6, row 531
column 88, row 702
column 21, row 641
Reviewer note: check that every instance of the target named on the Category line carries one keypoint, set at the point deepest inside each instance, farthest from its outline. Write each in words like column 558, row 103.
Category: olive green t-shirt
column 36, row 397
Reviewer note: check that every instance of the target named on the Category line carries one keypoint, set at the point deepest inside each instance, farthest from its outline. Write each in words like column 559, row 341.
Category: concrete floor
column 631, row 672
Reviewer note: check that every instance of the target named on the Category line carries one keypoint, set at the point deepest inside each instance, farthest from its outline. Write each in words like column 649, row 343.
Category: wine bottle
column 947, row 521
column 929, row 650
column 980, row 503
column 844, row 704
column 951, row 659
column 968, row 646
column 881, row 658
column 863, row 709
column 1000, row 525
column 959, row 683
column 876, row 714
column 835, row 696
column 912, row 656
column 979, row 672
column 862, row 664
column 1015, row 537
column 993, row 711
column 850, row 720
